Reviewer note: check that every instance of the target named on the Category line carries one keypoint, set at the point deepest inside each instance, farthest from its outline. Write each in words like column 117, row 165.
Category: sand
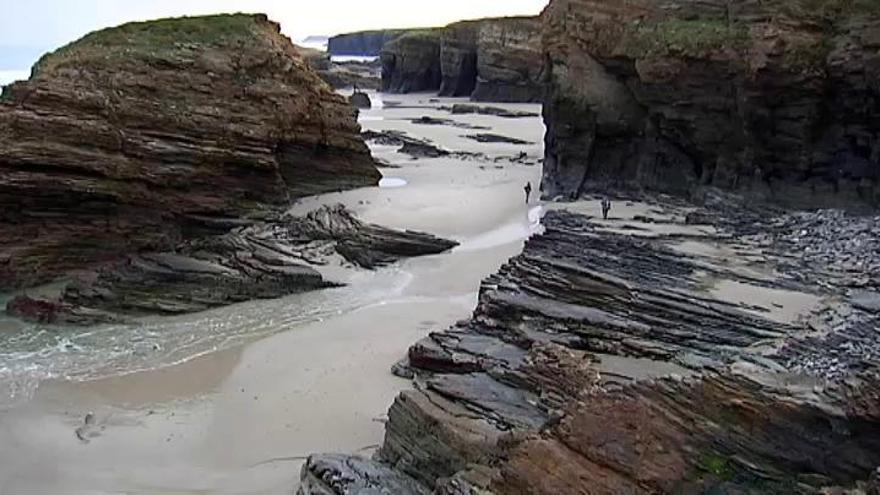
column 236, row 420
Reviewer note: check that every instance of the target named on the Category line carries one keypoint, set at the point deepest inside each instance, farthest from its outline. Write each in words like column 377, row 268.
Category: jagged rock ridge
column 142, row 136
column 597, row 363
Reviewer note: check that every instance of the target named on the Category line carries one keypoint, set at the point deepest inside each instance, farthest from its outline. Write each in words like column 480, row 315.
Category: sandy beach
column 259, row 385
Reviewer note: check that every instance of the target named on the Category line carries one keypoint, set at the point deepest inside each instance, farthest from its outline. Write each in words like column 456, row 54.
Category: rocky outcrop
column 487, row 60
column 340, row 75
column 493, row 60
column 411, row 62
column 140, row 137
column 363, row 43
column 260, row 261
column 777, row 99
column 598, row 362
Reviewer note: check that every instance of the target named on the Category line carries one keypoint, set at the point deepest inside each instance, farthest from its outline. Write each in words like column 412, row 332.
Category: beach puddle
column 779, row 305
column 392, row 182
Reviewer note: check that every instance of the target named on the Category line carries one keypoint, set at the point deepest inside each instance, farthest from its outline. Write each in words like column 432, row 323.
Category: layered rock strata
column 487, row 60
column 777, row 99
column 143, row 136
column 411, row 62
column 493, row 60
column 260, row 261
column 599, row 363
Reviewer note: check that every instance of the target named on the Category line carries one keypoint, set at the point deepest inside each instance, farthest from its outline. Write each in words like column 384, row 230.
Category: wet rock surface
column 495, row 138
column 607, row 353
column 464, row 109
column 264, row 260
column 773, row 99
column 146, row 135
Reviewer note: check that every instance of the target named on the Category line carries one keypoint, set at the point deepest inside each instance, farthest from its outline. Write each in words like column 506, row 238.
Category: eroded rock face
column 596, row 362
column 363, row 43
column 264, row 260
column 142, row 136
column 411, row 62
column 487, row 59
column 778, row 99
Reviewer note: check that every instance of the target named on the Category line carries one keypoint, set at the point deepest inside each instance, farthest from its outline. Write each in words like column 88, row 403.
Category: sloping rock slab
column 260, row 261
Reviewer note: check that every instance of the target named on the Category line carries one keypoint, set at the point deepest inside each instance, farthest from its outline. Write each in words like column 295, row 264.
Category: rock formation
column 778, row 99
column 493, row 60
column 140, row 137
column 259, row 261
column 598, row 363
column 363, row 43
column 487, row 60
column 340, row 75
column 411, row 62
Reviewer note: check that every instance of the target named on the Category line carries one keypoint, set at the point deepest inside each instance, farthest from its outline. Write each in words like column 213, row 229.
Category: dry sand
column 234, row 421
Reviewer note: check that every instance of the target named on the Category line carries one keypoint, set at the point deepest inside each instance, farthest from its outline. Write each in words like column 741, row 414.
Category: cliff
column 144, row 135
column 411, row 62
column 363, row 43
column 776, row 99
column 487, row 60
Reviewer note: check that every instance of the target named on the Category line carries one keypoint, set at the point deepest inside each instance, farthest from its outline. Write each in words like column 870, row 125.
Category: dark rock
column 425, row 120
column 344, row 475
column 361, row 100
column 599, row 356
column 771, row 99
column 422, row 150
column 495, row 138
column 463, row 109
column 264, row 260
column 699, row 218
column 139, row 137
column 50, row 311
column 416, row 148
column 411, row 62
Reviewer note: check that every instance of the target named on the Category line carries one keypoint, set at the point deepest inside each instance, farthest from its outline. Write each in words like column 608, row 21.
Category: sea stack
column 141, row 136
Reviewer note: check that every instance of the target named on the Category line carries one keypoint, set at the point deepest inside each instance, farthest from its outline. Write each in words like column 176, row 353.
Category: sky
column 31, row 27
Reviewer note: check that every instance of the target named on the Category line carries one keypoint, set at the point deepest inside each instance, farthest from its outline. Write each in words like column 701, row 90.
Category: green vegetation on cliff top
column 694, row 38
column 154, row 38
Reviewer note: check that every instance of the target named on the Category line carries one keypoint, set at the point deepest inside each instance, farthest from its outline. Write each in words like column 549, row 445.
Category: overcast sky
column 29, row 25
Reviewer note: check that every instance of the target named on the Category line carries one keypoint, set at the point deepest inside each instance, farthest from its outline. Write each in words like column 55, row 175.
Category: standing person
column 528, row 191
column 606, row 207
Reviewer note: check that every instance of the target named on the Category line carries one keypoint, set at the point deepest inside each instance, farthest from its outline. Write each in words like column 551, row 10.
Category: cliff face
column 777, row 98
column 140, row 136
column 364, row 43
column 411, row 62
column 487, row 60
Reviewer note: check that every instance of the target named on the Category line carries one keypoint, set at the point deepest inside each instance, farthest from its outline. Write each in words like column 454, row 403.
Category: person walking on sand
column 528, row 191
column 606, row 207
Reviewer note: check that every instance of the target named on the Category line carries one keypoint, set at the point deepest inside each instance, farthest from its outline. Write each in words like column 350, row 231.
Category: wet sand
column 236, row 421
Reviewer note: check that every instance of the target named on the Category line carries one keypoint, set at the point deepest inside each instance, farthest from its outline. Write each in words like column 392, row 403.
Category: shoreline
column 212, row 423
